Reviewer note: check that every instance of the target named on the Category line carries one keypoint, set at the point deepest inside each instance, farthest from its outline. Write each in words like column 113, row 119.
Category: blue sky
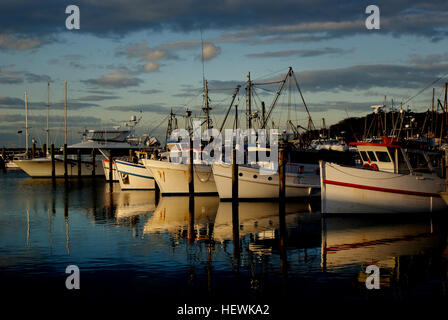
column 145, row 55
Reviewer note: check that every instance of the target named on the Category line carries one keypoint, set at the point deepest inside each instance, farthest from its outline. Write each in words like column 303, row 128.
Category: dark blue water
column 131, row 250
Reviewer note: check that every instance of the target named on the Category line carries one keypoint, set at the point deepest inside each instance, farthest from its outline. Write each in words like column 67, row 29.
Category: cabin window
column 383, row 156
column 363, row 155
column 372, row 156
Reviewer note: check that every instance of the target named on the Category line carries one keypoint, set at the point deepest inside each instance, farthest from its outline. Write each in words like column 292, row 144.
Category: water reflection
column 48, row 224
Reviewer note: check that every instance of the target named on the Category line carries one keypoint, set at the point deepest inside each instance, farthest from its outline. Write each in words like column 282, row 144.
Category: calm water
column 130, row 249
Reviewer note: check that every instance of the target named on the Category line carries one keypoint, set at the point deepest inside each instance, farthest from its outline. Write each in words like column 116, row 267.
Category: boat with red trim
column 394, row 176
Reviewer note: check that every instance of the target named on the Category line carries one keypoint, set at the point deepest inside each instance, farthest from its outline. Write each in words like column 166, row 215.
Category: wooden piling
column 65, row 161
column 281, row 211
column 53, row 165
column 281, row 176
column 44, row 150
column 191, row 171
column 111, row 174
column 79, row 162
column 235, row 209
column 93, row 162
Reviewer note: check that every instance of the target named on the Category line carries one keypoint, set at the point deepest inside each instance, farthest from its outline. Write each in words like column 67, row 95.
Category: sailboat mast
column 26, row 123
column 48, row 114
column 249, row 102
column 65, row 112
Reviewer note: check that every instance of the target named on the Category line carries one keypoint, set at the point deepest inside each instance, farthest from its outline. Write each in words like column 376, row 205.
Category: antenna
column 202, row 59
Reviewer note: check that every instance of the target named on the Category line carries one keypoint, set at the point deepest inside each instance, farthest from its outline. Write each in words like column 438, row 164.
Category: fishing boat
column 116, row 140
column 134, row 175
column 253, row 183
column 394, row 176
column 172, row 177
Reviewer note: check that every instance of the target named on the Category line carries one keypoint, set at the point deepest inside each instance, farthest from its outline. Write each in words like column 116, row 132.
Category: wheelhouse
column 391, row 155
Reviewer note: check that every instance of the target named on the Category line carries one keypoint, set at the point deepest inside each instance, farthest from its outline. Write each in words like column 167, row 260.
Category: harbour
column 129, row 247
column 217, row 160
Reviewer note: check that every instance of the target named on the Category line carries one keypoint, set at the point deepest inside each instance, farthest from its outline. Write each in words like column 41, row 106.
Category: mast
column 65, row 112
column 26, row 124
column 207, row 106
column 249, row 102
column 48, row 113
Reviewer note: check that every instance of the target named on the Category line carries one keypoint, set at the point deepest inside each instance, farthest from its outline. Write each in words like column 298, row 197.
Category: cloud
column 300, row 53
column 117, row 79
column 158, row 108
column 10, row 77
column 152, row 66
column 32, row 77
column 259, row 17
column 11, row 42
column 209, row 51
column 149, row 91
column 98, row 98
column 17, row 103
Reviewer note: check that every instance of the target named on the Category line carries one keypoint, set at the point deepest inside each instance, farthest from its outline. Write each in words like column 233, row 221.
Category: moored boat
column 395, row 176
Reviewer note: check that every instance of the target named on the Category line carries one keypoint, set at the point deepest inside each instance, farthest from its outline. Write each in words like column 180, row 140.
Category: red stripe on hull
column 399, row 191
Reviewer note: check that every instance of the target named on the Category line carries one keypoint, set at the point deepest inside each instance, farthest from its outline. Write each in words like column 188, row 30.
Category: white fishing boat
column 133, row 175
column 116, row 139
column 172, row 177
column 394, row 177
column 254, row 184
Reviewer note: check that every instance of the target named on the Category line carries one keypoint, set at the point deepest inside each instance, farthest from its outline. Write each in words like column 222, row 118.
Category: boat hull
column 41, row 168
column 253, row 185
column 134, row 176
column 355, row 190
column 172, row 178
column 106, row 167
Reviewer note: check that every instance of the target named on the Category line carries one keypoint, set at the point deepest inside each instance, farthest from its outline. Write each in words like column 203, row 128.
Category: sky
column 145, row 57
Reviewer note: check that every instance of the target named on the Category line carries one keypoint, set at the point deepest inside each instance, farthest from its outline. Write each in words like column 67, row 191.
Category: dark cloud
column 148, row 91
column 258, row 17
column 12, row 103
column 300, row 53
column 32, row 77
column 158, row 108
column 98, row 98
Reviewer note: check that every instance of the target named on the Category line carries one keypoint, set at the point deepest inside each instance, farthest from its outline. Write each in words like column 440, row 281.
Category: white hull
column 106, row 171
column 41, row 168
column 172, row 178
column 253, row 185
column 134, row 176
column 355, row 190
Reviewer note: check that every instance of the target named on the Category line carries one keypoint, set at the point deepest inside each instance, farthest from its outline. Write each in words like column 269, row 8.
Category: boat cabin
column 391, row 155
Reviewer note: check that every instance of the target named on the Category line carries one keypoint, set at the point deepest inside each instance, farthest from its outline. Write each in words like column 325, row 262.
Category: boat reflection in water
column 172, row 215
column 398, row 246
column 258, row 218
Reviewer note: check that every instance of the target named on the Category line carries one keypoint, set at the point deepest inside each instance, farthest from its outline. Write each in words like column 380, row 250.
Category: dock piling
column 79, row 162
column 93, row 162
column 111, row 175
column 53, row 165
column 235, row 208
column 65, row 161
